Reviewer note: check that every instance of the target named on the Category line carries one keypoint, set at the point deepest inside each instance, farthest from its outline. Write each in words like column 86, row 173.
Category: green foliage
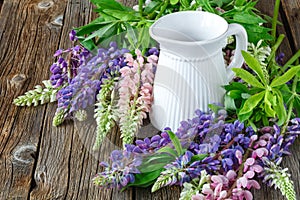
column 104, row 112
column 264, row 100
column 176, row 143
column 145, row 179
column 38, row 96
column 129, row 27
column 195, row 186
column 279, row 178
column 242, row 12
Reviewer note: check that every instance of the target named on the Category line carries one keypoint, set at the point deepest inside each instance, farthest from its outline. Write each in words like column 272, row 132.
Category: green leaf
column 254, row 65
column 247, row 18
column 217, row 3
column 215, row 108
column 253, row 125
column 247, row 77
column 235, row 94
column 168, row 150
column 245, row 95
column 198, row 157
column 173, row 2
column 156, row 161
column 101, row 31
column 244, row 117
column 285, row 77
column 206, row 5
column 131, row 35
column 145, row 41
column 229, row 103
column 152, row 6
column 176, row 143
column 269, row 101
column 297, row 106
column 89, row 44
column 236, row 86
column 256, row 32
column 122, row 15
column 91, row 27
column 240, row 2
column 280, row 109
column 144, row 179
column 108, row 4
column 251, row 103
column 185, row 3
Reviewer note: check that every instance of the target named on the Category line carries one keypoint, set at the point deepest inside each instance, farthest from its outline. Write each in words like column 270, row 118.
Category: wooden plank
column 66, row 167
column 267, row 8
column 292, row 162
column 292, row 13
column 37, row 160
column 25, row 30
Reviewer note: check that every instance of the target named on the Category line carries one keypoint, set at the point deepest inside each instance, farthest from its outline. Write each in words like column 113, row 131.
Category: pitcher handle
column 241, row 44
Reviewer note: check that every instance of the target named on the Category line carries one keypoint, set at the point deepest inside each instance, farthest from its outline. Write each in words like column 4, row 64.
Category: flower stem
column 291, row 105
column 162, row 10
column 275, row 18
column 141, row 2
column 291, row 61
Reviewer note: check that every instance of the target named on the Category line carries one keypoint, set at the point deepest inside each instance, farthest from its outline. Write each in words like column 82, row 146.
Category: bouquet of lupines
column 220, row 154
column 113, row 80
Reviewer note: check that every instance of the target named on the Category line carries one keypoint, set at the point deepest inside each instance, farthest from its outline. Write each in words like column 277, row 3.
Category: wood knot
column 45, row 4
column 41, row 176
column 17, row 80
column 25, row 154
column 58, row 21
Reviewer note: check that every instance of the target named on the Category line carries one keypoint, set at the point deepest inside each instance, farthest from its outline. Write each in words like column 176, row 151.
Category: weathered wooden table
column 39, row 161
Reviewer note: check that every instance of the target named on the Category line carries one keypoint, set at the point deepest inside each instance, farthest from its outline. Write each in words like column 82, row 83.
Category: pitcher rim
column 195, row 42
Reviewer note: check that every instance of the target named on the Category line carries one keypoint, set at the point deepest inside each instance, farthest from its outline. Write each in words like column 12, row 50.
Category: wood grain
column 39, row 161
column 292, row 13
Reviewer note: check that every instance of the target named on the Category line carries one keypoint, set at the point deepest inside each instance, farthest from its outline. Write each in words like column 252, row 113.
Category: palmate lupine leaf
column 38, row 96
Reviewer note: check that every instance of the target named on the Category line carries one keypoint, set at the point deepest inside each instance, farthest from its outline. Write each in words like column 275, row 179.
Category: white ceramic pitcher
column 191, row 68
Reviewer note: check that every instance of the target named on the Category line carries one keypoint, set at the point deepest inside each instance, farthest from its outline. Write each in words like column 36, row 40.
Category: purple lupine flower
column 72, row 35
column 277, row 144
column 121, row 172
column 152, row 51
column 86, row 77
column 64, row 70
column 279, row 59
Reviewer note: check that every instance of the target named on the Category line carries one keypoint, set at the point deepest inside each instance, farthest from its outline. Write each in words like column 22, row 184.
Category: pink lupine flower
column 231, row 175
column 152, row 59
column 239, row 156
column 135, row 91
column 241, row 194
column 198, row 197
column 250, row 165
column 260, row 152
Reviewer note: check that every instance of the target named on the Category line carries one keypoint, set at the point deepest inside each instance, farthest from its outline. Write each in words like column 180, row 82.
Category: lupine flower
column 135, row 91
column 279, row 59
column 192, row 190
column 120, row 172
column 279, row 178
column 177, row 172
column 88, row 77
column 64, row 70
